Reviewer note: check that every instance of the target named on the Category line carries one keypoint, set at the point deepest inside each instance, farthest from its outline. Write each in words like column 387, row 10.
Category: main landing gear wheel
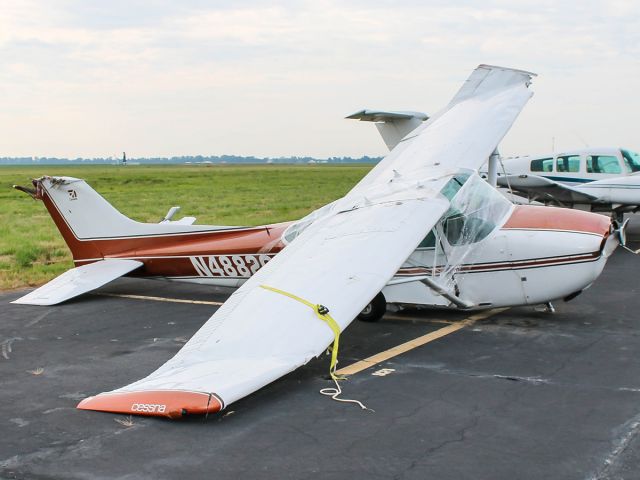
column 375, row 310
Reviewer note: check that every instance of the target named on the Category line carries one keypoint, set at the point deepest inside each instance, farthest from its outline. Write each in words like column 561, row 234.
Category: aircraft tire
column 375, row 310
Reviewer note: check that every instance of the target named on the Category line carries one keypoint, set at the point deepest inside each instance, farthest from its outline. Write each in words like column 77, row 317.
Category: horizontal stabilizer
column 79, row 280
column 393, row 126
column 386, row 116
column 183, row 221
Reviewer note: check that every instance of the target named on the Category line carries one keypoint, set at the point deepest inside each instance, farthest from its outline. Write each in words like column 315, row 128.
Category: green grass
column 32, row 250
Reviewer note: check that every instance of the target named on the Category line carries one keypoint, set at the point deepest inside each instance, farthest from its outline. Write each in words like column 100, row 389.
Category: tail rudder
column 81, row 214
column 92, row 227
column 88, row 215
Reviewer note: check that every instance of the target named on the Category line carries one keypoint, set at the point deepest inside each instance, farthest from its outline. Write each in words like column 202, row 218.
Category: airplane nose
column 619, row 231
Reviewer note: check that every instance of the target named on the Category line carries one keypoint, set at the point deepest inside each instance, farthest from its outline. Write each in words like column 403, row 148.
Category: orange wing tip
column 155, row 403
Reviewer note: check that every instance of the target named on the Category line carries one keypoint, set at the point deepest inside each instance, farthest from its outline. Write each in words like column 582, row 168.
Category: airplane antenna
column 553, row 144
column 581, row 139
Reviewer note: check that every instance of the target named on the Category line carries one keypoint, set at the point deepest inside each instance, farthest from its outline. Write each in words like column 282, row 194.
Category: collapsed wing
column 543, row 189
column 79, row 280
column 341, row 260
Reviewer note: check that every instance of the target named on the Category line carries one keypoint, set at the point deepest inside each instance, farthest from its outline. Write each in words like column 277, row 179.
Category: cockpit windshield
column 476, row 210
column 631, row 161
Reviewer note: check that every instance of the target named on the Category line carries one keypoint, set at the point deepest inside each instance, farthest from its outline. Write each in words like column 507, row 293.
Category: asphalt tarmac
column 521, row 394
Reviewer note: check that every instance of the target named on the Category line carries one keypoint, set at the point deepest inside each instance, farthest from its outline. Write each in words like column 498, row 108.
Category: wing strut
column 452, row 297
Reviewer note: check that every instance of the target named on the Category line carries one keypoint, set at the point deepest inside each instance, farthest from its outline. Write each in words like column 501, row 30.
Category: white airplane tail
column 89, row 216
column 92, row 227
column 85, row 211
column 101, row 239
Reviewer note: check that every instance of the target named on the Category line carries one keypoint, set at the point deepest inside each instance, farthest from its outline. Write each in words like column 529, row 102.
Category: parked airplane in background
column 422, row 227
column 595, row 179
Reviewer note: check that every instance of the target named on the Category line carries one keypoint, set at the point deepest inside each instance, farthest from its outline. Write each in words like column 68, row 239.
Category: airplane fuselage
column 608, row 175
column 537, row 255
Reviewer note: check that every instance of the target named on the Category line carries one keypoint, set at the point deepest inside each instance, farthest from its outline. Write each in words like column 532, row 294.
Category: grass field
column 32, row 250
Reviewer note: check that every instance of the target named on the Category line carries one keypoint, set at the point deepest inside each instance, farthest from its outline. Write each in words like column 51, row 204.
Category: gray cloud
column 264, row 78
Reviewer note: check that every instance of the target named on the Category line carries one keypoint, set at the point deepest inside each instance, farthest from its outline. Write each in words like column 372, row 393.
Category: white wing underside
column 543, row 189
column 343, row 259
column 79, row 280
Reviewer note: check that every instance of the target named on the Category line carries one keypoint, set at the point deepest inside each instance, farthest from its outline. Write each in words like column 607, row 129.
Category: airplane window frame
column 568, row 161
column 631, row 161
column 428, row 242
column 543, row 162
column 613, row 160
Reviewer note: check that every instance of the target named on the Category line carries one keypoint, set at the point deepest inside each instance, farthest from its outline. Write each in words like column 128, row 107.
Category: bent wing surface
column 543, row 189
column 79, row 280
column 341, row 260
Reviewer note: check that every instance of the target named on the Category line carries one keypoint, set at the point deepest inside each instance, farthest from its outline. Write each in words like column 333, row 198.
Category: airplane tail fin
column 83, row 216
column 91, row 226
column 101, row 239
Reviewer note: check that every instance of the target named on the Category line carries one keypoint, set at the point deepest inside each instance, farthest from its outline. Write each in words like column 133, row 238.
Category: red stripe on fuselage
column 531, row 217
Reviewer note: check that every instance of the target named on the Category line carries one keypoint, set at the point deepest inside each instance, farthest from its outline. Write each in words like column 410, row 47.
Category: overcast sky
column 163, row 77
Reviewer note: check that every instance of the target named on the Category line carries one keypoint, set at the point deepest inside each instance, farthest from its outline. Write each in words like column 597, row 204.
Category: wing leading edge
column 341, row 260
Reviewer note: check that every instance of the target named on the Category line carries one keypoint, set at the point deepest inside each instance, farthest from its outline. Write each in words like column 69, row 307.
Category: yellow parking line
column 160, row 299
column 418, row 319
column 416, row 342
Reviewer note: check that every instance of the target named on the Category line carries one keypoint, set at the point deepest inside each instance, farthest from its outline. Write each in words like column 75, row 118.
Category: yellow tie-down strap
column 322, row 313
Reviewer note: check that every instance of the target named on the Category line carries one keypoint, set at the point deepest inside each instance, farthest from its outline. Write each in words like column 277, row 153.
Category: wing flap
column 79, row 280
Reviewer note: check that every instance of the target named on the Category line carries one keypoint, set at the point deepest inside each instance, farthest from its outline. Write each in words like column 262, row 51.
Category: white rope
column 335, row 392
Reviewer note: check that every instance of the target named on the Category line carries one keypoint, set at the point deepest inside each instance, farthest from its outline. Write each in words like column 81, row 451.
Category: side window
column 603, row 164
column 568, row 163
column 542, row 165
column 462, row 230
column 452, row 186
column 429, row 241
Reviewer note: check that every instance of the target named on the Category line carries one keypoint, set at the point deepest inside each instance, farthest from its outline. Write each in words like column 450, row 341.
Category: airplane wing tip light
column 173, row 404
